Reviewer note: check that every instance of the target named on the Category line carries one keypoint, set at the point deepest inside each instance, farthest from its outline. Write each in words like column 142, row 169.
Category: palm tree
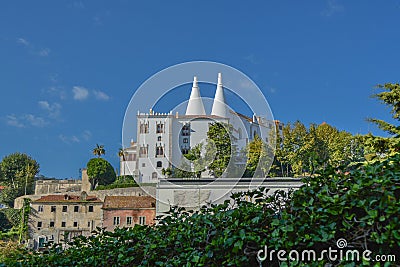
column 99, row 150
column 121, row 153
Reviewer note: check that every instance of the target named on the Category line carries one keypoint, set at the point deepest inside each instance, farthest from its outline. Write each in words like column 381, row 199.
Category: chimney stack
column 219, row 106
column 195, row 105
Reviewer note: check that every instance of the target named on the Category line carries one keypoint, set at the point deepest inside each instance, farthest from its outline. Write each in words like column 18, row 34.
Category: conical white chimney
column 219, row 106
column 195, row 105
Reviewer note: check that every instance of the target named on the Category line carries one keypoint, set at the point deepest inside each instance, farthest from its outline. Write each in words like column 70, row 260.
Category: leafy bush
column 9, row 217
column 362, row 206
column 9, row 252
column 121, row 182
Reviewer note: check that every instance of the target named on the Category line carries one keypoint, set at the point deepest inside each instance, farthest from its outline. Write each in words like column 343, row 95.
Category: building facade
column 58, row 218
column 126, row 211
column 128, row 161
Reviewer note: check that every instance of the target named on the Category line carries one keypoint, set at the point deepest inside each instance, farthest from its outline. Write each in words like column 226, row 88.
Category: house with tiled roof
column 58, row 218
column 126, row 211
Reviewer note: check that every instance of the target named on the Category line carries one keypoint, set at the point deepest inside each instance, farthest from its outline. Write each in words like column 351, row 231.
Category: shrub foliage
column 100, row 172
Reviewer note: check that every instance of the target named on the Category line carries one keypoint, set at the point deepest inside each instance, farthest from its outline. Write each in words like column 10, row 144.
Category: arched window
column 185, row 140
column 159, row 164
column 159, row 138
column 154, row 175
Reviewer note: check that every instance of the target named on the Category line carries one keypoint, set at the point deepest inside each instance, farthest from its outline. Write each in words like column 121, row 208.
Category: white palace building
column 162, row 138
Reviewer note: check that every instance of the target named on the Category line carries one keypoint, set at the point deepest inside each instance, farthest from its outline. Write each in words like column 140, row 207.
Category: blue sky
column 69, row 68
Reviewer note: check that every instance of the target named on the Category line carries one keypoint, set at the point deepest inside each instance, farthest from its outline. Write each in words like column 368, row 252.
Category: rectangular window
column 63, row 224
column 52, row 224
column 159, row 151
column 131, row 157
column 129, row 220
column 143, row 151
column 142, row 220
column 39, row 224
column 40, row 208
column 88, row 224
column 159, row 128
column 64, row 209
column 90, row 208
column 144, row 128
column 53, row 209
column 116, row 220
column 76, row 208
column 75, row 224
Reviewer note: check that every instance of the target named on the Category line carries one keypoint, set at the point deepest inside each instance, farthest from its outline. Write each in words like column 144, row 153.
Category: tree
column 303, row 151
column 219, row 148
column 294, row 139
column 384, row 146
column 30, row 172
column 167, row 172
column 18, row 173
column 197, row 165
column 99, row 150
column 339, row 147
column 281, row 165
column 183, row 171
column 9, row 194
column 100, row 172
column 198, row 162
column 258, row 158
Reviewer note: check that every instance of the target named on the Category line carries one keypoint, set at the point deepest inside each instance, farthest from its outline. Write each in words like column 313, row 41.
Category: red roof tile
column 129, row 202
column 67, row 198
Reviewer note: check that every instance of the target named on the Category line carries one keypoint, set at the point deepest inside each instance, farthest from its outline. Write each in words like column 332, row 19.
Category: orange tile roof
column 129, row 202
column 66, row 198
column 241, row 115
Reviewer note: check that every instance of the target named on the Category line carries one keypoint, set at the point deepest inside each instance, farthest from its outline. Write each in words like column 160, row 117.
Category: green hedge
column 120, row 182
